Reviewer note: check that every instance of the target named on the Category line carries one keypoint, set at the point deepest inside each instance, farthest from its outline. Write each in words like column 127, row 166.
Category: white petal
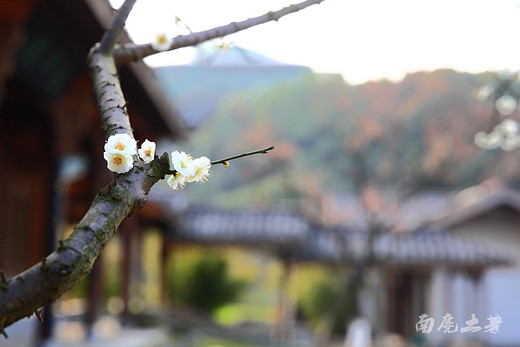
column 484, row 92
column 509, row 126
column 494, row 139
column 147, row 151
column 122, row 144
column 200, row 168
column 119, row 163
column 506, row 105
column 176, row 180
column 161, row 42
column 181, row 161
column 481, row 139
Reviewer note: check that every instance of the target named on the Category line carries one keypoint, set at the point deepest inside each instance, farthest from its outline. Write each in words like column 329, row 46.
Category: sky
column 363, row 40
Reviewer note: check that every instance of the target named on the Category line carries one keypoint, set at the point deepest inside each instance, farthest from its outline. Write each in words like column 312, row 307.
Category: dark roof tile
column 427, row 247
column 291, row 233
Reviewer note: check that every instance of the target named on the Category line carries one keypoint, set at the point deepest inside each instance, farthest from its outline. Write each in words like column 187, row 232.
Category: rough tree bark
column 23, row 294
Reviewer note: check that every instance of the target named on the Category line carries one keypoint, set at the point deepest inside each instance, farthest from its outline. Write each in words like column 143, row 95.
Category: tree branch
column 46, row 281
column 23, row 294
column 109, row 95
column 132, row 52
column 43, row 283
column 225, row 160
column 112, row 33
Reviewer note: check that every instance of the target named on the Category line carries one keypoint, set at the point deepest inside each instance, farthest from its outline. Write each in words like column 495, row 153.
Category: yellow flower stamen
column 118, row 160
column 162, row 39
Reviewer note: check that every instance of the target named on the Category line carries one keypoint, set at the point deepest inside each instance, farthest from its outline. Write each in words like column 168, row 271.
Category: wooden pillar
column 95, row 294
column 96, row 285
column 126, row 237
column 399, row 295
column 55, row 216
column 479, row 303
column 449, row 301
column 129, row 231
column 166, row 277
column 285, row 319
column 391, row 300
column 28, row 205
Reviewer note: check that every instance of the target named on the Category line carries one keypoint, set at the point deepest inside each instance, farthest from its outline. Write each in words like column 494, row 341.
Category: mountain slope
column 416, row 133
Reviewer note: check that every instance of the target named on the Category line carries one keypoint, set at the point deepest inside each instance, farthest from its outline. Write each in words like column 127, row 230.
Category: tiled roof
column 426, row 247
column 273, row 228
column 477, row 201
column 290, row 233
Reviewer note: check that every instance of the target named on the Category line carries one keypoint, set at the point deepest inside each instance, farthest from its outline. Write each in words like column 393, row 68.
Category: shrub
column 207, row 284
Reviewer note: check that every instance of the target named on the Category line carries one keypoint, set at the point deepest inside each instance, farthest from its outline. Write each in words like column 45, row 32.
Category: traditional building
column 409, row 273
column 51, row 137
column 490, row 214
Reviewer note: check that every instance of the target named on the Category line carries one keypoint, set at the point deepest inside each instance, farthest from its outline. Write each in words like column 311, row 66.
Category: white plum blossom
column 147, row 151
column 188, row 169
column 505, row 135
column 117, row 162
column 506, row 105
column 176, row 180
column 509, row 126
column 494, row 139
column 161, row 42
column 510, row 142
column 121, row 144
column 181, row 162
column 481, row 140
column 200, row 168
column 485, row 92
column 119, row 150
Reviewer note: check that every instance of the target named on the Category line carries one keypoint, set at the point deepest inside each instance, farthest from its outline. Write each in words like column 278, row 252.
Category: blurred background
column 386, row 215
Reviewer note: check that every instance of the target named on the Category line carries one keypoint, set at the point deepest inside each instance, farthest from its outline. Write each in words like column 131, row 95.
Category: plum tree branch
column 260, row 151
column 43, row 283
column 132, row 52
column 23, row 294
column 112, row 33
column 226, row 160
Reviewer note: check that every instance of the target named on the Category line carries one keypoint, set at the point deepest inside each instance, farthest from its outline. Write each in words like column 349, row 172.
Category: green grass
column 234, row 313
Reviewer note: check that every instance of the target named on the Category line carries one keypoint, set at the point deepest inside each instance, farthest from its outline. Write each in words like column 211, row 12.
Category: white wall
column 499, row 229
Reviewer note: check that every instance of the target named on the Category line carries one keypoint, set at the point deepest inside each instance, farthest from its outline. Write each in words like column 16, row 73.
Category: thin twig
column 112, row 33
column 260, row 151
column 132, row 52
column 225, row 160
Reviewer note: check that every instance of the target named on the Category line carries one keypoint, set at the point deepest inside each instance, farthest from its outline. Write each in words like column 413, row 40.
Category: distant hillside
column 416, row 133
column 197, row 89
